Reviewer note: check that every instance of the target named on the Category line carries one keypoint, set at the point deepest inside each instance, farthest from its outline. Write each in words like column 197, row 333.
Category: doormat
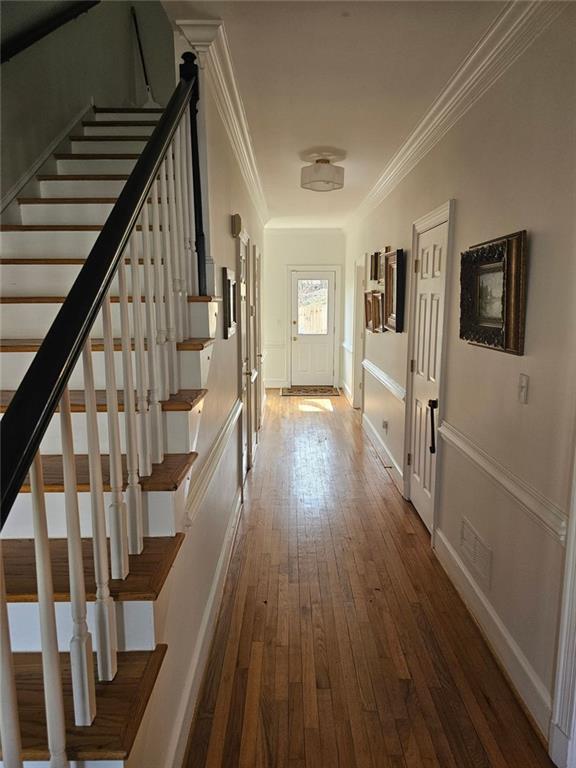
column 314, row 391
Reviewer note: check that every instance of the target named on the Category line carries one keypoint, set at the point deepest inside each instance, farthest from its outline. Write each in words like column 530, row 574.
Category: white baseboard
column 384, row 453
column 528, row 684
column 177, row 747
column 347, row 392
column 275, row 383
column 30, row 172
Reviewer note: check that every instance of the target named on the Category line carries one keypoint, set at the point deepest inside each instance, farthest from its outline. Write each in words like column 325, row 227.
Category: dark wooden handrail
column 33, row 34
column 28, row 415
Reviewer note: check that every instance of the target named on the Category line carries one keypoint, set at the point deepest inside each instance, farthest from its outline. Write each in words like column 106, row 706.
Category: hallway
column 341, row 642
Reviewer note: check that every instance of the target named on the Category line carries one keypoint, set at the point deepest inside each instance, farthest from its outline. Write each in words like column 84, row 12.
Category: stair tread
column 184, row 400
column 96, row 156
column 147, row 110
column 32, row 345
column 148, row 570
column 166, row 476
column 120, row 703
column 113, row 299
column 108, row 137
column 82, row 177
column 114, row 123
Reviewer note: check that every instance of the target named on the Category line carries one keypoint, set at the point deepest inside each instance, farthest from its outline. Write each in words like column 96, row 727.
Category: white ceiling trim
column 208, row 39
column 511, row 33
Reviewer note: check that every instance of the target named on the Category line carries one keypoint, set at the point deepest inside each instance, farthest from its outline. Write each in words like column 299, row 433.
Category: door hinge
column 360, row 385
column 412, row 366
column 416, row 265
column 409, row 460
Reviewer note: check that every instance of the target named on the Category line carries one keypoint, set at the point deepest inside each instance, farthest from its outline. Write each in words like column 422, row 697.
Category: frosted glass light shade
column 322, row 176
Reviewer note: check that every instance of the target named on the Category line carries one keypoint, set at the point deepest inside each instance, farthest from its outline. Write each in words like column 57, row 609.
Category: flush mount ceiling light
column 322, row 175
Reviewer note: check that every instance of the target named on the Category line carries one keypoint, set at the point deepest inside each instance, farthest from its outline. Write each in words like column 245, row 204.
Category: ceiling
column 357, row 76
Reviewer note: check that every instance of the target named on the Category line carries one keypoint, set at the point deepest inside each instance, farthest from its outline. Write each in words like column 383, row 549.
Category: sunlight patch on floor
column 316, row 405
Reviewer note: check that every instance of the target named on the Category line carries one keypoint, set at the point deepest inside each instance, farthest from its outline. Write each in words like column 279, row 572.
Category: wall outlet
column 476, row 552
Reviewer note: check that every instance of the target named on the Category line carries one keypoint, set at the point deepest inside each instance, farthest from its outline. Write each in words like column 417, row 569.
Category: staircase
column 101, row 402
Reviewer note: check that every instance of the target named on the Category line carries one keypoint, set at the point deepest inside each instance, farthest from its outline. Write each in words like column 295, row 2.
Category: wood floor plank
column 341, row 641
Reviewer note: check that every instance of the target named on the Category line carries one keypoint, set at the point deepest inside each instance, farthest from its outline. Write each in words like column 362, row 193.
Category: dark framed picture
column 229, row 301
column 376, row 313
column 368, row 310
column 394, row 289
column 493, row 293
column 374, row 265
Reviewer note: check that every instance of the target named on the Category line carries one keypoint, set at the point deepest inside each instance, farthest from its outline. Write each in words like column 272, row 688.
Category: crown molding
column 208, row 40
column 509, row 35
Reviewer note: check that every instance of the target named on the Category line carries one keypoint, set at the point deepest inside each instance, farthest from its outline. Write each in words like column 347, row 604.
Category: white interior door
column 428, row 321
column 312, row 339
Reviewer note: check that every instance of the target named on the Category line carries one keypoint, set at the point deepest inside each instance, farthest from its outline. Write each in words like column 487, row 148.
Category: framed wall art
column 374, row 265
column 381, row 267
column 394, row 268
column 493, row 293
column 229, row 301
column 372, row 311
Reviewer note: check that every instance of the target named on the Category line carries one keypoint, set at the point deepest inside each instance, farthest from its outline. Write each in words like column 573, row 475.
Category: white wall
column 283, row 248
column 509, row 164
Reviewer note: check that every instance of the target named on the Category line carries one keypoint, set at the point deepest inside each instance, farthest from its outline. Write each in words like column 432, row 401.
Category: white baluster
column 105, row 616
column 160, row 303
column 9, row 724
column 192, row 261
column 53, row 696
column 157, row 432
column 174, row 372
column 181, row 237
column 145, row 462
column 117, row 521
column 174, row 243
column 81, row 656
column 133, row 489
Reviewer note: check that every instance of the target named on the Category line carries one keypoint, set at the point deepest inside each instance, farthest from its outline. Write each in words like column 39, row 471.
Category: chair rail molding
column 201, row 481
column 208, row 40
column 391, row 384
column 509, row 35
column 544, row 511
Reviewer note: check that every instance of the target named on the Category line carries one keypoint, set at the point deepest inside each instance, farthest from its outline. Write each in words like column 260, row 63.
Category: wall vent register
column 477, row 553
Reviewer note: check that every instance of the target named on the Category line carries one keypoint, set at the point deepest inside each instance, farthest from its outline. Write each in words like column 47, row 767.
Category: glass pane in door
column 313, row 307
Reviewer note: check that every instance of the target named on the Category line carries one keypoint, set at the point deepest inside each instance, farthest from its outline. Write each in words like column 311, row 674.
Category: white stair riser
column 134, row 620
column 138, row 116
column 75, row 764
column 48, row 244
column 66, row 213
column 163, row 514
column 32, row 320
column 204, row 319
column 81, row 188
column 119, row 130
column 106, row 147
column 180, row 432
column 48, row 279
column 95, row 165
column 193, row 365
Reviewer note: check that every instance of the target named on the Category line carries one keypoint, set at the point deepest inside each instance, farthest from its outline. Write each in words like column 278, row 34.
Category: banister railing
column 147, row 234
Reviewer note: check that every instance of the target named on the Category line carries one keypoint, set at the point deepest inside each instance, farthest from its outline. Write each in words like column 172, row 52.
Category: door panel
column 312, row 340
column 427, row 347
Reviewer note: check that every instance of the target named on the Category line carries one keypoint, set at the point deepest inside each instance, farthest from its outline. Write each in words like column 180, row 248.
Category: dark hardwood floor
column 341, row 641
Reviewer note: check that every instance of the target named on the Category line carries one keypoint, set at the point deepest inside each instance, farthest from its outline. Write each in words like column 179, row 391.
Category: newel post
column 189, row 71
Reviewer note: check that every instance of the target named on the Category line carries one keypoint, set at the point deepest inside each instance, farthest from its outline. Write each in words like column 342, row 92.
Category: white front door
column 312, row 337
column 430, row 274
